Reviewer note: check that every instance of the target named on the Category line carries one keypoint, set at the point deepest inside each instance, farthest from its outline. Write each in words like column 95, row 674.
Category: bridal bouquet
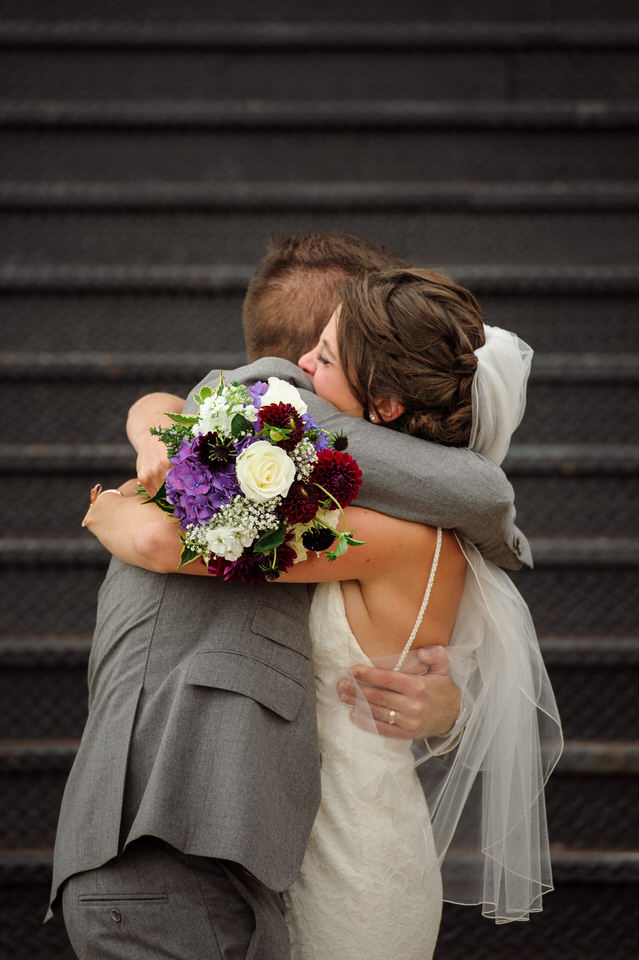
column 255, row 483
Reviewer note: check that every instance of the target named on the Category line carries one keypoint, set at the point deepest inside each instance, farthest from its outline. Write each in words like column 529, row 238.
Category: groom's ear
column 389, row 408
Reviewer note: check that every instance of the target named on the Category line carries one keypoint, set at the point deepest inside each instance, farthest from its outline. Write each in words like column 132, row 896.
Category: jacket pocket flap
column 227, row 670
column 286, row 630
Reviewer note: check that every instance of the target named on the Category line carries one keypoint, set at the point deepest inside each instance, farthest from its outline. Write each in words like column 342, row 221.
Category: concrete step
column 387, row 60
column 571, row 490
column 56, row 237
column 578, row 589
column 61, row 312
column 123, row 366
column 587, row 917
column 43, row 686
column 592, row 796
column 354, row 12
column 32, row 776
column 593, row 679
column 486, row 114
column 561, row 408
column 81, row 411
column 317, row 34
column 54, row 584
column 589, row 196
column 99, row 145
column 487, row 279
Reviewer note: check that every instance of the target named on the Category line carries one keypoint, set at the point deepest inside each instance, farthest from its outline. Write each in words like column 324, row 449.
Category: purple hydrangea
column 196, row 492
column 257, row 391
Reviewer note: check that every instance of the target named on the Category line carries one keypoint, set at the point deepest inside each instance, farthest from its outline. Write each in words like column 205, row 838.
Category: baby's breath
column 304, row 457
column 245, row 519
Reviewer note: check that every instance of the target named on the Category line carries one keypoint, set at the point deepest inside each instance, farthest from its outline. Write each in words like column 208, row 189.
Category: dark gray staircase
column 147, row 152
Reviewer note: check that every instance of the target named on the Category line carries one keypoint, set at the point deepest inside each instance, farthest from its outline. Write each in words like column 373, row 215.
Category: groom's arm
column 426, row 705
column 151, row 411
column 411, row 478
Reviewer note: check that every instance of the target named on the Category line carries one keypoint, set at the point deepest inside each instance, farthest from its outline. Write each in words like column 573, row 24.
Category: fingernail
column 342, row 686
column 356, row 671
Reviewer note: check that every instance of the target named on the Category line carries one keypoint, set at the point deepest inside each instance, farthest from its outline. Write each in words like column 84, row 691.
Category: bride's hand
column 97, row 504
column 406, row 705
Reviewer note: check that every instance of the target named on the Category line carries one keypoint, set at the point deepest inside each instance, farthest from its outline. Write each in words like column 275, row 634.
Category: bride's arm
column 142, row 535
column 137, row 532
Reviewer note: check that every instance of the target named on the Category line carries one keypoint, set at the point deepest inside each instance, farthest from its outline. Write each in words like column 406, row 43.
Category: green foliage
column 188, row 555
column 345, row 539
column 240, row 426
column 159, row 499
column 270, row 540
column 182, row 419
column 203, row 395
column 171, row 437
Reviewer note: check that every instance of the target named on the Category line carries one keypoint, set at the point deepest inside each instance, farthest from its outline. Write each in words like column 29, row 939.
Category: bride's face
column 323, row 367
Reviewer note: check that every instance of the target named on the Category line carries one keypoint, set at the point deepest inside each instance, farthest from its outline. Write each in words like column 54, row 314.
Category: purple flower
column 195, row 491
column 257, row 391
column 321, row 441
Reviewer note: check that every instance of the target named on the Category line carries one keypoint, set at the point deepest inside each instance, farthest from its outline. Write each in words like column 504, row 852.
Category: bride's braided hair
column 411, row 335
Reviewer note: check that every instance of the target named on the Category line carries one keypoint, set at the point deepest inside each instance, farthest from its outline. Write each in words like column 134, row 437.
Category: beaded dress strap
column 422, row 609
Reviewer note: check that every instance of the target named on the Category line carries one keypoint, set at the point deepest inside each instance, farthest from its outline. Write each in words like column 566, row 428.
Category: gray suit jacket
column 201, row 727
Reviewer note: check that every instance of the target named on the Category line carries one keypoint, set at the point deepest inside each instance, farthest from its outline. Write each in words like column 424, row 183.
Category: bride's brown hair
column 411, row 335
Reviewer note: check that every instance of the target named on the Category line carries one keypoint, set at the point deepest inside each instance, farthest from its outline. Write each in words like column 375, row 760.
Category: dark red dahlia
column 253, row 567
column 338, row 473
column 283, row 416
column 301, row 502
column 246, row 569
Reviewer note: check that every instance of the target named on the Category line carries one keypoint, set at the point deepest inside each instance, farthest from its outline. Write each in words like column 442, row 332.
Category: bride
column 397, row 832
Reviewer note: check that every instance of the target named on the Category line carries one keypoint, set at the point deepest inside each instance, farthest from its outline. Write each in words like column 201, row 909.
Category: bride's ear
column 389, row 408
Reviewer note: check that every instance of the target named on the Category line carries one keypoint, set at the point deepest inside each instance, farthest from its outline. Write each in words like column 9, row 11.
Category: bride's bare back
column 383, row 582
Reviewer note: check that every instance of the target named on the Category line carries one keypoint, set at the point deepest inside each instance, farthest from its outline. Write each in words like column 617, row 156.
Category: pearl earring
column 372, row 417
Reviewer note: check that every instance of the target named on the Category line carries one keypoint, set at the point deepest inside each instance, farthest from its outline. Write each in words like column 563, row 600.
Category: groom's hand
column 421, row 700
column 152, row 464
column 151, row 411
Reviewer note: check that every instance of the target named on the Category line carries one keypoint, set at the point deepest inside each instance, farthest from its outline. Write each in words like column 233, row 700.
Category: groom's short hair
column 296, row 288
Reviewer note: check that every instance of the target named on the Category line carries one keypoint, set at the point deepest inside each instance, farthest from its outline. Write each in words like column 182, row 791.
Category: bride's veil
column 499, row 391
column 485, row 789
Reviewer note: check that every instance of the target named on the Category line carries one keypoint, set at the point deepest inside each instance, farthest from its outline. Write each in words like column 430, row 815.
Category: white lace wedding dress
column 370, row 885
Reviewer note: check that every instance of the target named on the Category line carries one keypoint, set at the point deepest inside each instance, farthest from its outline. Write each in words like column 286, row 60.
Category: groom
column 197, row 779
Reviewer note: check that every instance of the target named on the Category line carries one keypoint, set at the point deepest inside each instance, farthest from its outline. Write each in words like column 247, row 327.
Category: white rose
column 280, row 391
column 264, row 471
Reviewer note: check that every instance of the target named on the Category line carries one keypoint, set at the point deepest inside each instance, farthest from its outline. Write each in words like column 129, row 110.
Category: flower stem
column 336, row 502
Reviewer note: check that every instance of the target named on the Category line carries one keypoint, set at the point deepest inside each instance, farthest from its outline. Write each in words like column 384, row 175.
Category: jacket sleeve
column 411, row 478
